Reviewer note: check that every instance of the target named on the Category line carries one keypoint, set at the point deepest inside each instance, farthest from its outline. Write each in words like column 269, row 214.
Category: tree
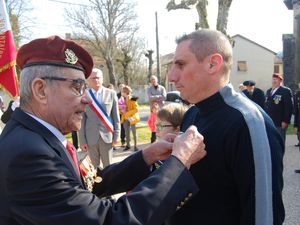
column 224, row 6
column 105, row 24
column 19, row 11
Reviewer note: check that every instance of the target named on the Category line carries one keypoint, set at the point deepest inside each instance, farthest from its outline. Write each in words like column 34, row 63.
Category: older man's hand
column 189, row 147
column 159, row 150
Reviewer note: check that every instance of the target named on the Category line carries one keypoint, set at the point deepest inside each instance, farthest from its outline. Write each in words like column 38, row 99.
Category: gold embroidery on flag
column 7, row 66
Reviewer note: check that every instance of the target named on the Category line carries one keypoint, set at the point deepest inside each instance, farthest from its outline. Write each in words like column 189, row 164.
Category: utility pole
column 157, row 51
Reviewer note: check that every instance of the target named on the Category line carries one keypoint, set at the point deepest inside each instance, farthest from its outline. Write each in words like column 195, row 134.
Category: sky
column 262, row 21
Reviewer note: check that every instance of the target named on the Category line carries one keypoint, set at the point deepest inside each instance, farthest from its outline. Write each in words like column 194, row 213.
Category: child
column 130, row 117
column 169, row 118
column 152, row 121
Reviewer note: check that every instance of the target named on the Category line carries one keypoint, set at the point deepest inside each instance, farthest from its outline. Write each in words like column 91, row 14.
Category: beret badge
column 71, row 58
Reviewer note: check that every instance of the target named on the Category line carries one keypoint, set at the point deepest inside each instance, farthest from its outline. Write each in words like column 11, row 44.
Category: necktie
column 72, row 151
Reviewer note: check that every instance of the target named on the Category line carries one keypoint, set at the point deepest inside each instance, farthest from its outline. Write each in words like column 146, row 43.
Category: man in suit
column 39, row 180
column 94, row 136
column 253, row 93
column 279, row 104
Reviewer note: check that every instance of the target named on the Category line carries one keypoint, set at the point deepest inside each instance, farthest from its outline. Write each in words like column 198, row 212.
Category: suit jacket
column 92, row 128
column 39, row 185
column 279, row 105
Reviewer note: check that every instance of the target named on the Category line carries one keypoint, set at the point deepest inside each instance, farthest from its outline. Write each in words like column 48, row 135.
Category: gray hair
column 97, row 71
column 206, row 42
column 28, row 74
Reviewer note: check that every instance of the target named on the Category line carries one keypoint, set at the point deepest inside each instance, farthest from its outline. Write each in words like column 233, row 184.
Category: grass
column 291, row 129
column 143, row 133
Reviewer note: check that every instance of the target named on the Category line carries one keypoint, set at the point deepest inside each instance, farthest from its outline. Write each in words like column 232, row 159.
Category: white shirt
column 274, row 90
column 99, row 94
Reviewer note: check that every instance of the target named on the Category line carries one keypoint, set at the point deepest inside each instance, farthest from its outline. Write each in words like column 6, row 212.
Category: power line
column 69, row 3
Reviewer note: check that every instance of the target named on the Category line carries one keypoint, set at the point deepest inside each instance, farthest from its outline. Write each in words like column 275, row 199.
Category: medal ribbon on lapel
column 100, row 112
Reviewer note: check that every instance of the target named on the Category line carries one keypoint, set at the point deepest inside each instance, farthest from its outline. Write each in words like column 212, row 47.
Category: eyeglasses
column 79, row 85
column 161, row 126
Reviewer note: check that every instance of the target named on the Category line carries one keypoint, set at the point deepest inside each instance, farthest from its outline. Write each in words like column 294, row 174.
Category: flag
column 8, row 78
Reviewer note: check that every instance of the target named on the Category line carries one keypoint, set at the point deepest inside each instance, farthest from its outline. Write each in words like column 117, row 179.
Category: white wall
column 260, row 64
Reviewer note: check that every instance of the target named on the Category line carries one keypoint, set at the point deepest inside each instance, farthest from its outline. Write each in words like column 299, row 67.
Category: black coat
column 279, row 106
column 257, row 96
column 297, row 110
column 7, row 114
column 39, row 185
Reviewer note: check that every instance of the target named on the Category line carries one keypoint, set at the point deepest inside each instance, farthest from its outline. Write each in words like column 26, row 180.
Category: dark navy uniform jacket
column 279, row 105
column 240, row 179
column 39, row 184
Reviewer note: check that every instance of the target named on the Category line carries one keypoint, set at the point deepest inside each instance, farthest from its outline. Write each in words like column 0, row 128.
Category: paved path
column 291, row 191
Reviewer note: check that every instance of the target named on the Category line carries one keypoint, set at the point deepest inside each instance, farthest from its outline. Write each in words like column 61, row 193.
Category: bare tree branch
column 108, row 24
column 19, row 13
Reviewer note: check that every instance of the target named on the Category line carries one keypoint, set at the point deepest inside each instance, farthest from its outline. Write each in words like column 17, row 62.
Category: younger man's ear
column 215, row 63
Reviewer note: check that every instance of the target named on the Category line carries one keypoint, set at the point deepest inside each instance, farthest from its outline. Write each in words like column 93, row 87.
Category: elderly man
column 279, row 104
column 40, row 182
column 156, row 95
column 241, row 177
column 100, row 126
column 253, row 93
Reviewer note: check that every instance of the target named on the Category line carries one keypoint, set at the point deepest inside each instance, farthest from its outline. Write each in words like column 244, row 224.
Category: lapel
column 278, row 90
column 31, row 124
column 104, row 96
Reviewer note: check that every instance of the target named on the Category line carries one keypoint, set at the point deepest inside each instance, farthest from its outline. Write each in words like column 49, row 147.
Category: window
column 276, row 69
column 242, row 66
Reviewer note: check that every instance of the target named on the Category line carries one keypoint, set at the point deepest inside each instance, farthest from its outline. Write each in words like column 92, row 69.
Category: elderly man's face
column 64, row 106
column 95, row 80
column 276, row 82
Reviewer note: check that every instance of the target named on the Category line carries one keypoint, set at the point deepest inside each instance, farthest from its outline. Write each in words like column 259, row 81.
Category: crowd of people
column 218, row 160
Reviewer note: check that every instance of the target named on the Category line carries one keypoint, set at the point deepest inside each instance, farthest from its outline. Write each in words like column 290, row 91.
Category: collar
column 52, row 129
column 98, row 91
column 210, row 104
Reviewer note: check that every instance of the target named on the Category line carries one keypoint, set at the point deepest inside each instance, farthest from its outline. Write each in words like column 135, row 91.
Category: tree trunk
column 111, row 72
column 224, row 6
column 202, row 13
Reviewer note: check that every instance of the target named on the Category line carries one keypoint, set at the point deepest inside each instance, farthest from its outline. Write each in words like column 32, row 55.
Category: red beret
column 277, row 75
column 55, row 51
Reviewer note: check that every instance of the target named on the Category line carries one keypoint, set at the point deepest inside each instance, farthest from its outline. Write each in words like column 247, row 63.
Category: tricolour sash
column 99, row 110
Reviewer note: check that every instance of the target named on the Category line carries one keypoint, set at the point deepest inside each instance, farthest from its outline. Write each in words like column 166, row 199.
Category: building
column 252, row 61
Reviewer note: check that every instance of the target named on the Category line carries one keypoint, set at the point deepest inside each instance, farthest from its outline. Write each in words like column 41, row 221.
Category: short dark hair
column 206, row 42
